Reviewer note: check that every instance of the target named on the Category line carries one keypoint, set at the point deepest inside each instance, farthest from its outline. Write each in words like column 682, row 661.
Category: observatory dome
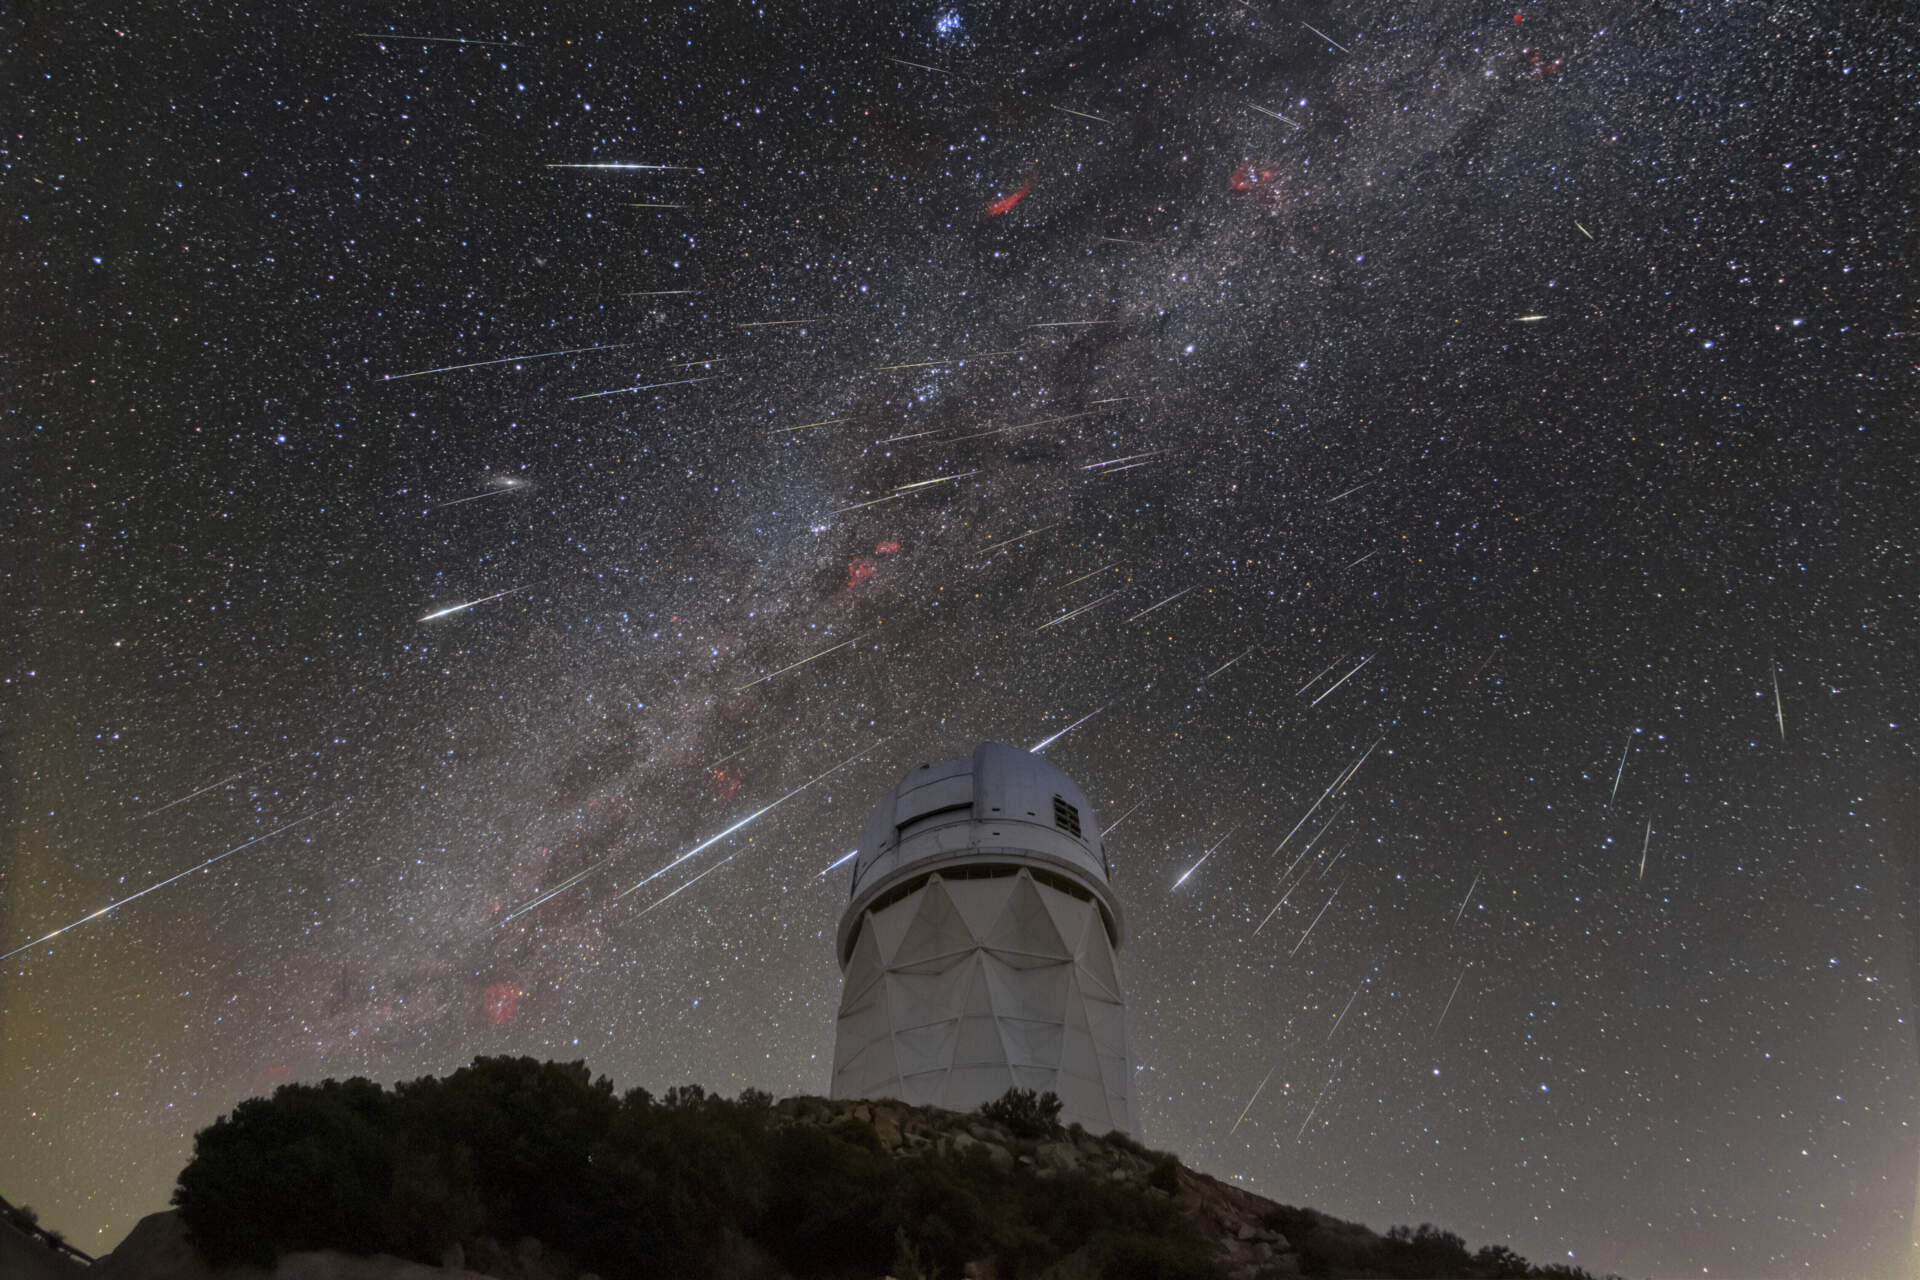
column 979, row 945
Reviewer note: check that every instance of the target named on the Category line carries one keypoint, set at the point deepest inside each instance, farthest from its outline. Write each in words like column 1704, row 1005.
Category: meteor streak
column 1256, row 1095
column 1123, row 817
column 1779, row 712
column 1533, row 319
column 1164, row 603
column 921, row 66
column 1456, row 991
column 1316, row 680
column 1342, row 680
column 1229, row 662
column 1316, row 1104
column 1622, row 769
column 1324, row 36
column 824, row 422
column 461, row 608
column 481, row 364
column 1469, row 898
column 1082, row 114
column 374, row 35
column 169, row 880
column 1275, row 114
column 1109, row 462
column 710, row 841
column 682, row 889
column 921, row 484
column 1083, row 577
column 1203, row 858
column 659, row 293
column 1316, row 920
column 625, row 391
column 1343, row 1012
column 1028, row 534
column 775, row 324
column 1644, row 842
column 610, row 165
column 142, row 817
column 1344, row 492
column 1583, row 231
column 931, row 364
column 837, row 862
column 1044, row 743
column 803, row 662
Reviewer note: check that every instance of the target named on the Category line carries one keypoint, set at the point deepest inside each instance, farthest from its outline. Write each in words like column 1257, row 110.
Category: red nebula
column 725, row 782
column 1249, row 176
column 499, row 1002
column 859, row 569
column 887, row 548
column 997, row 207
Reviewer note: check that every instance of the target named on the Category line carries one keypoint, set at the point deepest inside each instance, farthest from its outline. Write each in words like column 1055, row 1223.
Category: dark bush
column 310, row 1168
column 1025, row 1114
column 698, row 1186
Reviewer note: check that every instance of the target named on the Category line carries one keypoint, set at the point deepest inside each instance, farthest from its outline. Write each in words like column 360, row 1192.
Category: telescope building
column 978, row 947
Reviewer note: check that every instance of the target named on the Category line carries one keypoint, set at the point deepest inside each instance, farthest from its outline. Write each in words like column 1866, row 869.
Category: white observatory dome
column 978, row 947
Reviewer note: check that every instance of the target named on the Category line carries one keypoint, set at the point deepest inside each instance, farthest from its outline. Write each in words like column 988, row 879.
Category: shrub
column 1025, row 1114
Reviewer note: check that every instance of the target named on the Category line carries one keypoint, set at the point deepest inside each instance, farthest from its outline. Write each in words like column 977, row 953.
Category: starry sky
column 473, row 473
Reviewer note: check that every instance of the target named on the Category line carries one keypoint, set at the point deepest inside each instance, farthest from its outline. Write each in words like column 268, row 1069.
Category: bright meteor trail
column 1044, row 743
column 164, row 883
column 457, row 608
column 481, row 364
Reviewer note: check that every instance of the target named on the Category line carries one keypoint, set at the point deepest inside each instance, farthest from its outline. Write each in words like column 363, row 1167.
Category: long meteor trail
column 1779, row 711
column 803, row 662
column 1469, row 898
column 682, row 889
column 1316, row 920
column 1256, row 1097
column 1044, row 743
column 1342, row 680
column 710, row 841
column 1164, row 603
column 1621, row 770
column 164, row 883
column 481, row 364
column 651, row 386
column 1203, row 859
column 704, row 845
column 190, row 795
column 1316, row 1104
column 1450, row 995
column 461, row 608
column 1074, row 613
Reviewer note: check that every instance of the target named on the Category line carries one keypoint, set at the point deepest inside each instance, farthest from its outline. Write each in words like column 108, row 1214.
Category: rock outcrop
column 1236, row 1219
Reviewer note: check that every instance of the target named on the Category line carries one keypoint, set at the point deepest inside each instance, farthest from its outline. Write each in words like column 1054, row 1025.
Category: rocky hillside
column 520, row 1170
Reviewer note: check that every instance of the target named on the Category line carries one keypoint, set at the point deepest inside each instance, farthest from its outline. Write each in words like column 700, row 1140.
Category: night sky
column 421, row 543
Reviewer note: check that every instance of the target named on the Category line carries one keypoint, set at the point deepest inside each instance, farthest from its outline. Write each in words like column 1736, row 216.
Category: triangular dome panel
column 937, row 935
column 1097, row 962
column 980, row 902
column 1025, row 928
column 889, row 926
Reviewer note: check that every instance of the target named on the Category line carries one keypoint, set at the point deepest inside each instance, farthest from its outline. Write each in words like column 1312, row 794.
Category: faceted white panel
column 963, row 989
